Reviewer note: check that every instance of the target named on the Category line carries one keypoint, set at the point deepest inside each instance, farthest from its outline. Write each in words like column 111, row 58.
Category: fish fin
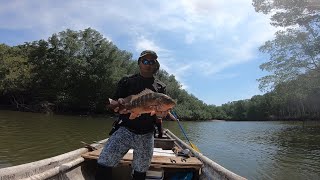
column 129, row 98
column 133, row 116
column 112, row 102
column 142, row 93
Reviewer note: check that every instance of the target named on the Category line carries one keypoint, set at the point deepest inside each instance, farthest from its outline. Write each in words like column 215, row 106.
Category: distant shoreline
column 217, row 120
column 113, row 115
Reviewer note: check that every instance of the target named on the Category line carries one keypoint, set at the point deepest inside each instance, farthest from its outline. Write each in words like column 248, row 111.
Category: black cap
column 146, row 52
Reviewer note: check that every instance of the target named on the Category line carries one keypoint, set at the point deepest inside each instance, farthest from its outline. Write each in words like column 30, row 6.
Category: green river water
column 255, row 150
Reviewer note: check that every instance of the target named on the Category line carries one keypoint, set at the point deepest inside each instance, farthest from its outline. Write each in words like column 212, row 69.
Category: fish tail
column 112, row 102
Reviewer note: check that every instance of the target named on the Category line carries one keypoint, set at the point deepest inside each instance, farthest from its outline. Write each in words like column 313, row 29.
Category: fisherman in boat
column 137, row 133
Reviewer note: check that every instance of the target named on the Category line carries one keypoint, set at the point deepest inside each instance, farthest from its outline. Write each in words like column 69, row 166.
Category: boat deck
column 165, row 161
column 81, row 164
column 161, row 158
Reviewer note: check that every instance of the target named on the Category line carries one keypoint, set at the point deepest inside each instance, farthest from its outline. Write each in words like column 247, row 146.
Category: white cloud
column 209, row 21
column 142, row 44
column 242, row 47
column 166, row 58
column 232, row 25
column 197, row 20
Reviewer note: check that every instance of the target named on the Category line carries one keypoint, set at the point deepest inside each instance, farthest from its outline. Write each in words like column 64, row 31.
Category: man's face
column 147, row 64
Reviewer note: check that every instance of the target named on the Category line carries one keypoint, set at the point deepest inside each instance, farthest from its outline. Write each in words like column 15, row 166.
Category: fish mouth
column 170, row 109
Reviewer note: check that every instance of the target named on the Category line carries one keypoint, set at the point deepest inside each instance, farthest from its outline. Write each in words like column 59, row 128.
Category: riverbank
column 112, row 114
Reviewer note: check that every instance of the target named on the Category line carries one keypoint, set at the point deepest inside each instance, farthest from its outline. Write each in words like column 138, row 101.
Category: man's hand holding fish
column 146, row 101
column 122, row 111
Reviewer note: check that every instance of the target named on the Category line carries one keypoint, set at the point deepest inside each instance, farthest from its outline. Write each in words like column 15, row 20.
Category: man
column 137, row 133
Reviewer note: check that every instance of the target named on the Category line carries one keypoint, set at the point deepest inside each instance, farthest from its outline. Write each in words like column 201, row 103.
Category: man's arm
column 121, row 92
column 122, row 88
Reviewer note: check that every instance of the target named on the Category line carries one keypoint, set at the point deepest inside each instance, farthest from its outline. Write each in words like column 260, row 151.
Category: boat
column 172, row 158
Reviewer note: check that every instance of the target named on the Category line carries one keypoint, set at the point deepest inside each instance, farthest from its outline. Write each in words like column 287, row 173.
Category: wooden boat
column 166, row 163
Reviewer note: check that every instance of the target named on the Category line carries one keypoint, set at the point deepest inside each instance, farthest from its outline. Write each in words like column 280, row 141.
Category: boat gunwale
column 220, row 171
column 53, row 165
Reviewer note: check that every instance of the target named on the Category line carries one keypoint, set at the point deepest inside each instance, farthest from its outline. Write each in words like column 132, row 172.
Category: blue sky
column 211, row 46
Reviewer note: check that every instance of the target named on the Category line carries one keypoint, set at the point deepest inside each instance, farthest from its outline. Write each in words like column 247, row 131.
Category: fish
column 147, row 101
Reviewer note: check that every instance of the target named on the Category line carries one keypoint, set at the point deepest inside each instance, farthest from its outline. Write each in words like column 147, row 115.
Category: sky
column 210, row 46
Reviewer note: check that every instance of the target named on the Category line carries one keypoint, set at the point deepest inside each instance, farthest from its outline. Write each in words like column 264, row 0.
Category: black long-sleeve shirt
column 132, row 85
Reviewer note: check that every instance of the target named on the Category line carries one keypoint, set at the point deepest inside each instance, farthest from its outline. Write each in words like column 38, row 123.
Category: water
column 255, row 150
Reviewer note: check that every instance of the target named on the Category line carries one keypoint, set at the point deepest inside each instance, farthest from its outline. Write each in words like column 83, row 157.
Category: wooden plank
column 164, row 143
column 157, row 161
column 95, row 153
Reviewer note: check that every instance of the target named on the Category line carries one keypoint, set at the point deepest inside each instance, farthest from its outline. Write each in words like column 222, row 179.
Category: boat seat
column 161, row 159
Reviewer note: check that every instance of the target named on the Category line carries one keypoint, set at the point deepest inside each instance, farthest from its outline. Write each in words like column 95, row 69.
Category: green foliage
column 296, row 47
column 76, row 71
column 15, row 72
column 294, row 65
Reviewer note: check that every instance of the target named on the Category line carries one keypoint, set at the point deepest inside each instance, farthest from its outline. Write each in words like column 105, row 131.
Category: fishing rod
column 172, row 113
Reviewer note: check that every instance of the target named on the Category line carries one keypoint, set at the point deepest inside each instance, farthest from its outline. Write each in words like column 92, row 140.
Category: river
column 255, row 150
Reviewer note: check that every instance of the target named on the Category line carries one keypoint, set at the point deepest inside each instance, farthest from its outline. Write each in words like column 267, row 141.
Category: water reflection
column 260, row 150
column 298, row 150
column 256, row 150
column 26, row 137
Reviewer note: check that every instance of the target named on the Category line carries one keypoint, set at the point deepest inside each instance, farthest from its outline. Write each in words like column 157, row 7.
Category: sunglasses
column 148, row 62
